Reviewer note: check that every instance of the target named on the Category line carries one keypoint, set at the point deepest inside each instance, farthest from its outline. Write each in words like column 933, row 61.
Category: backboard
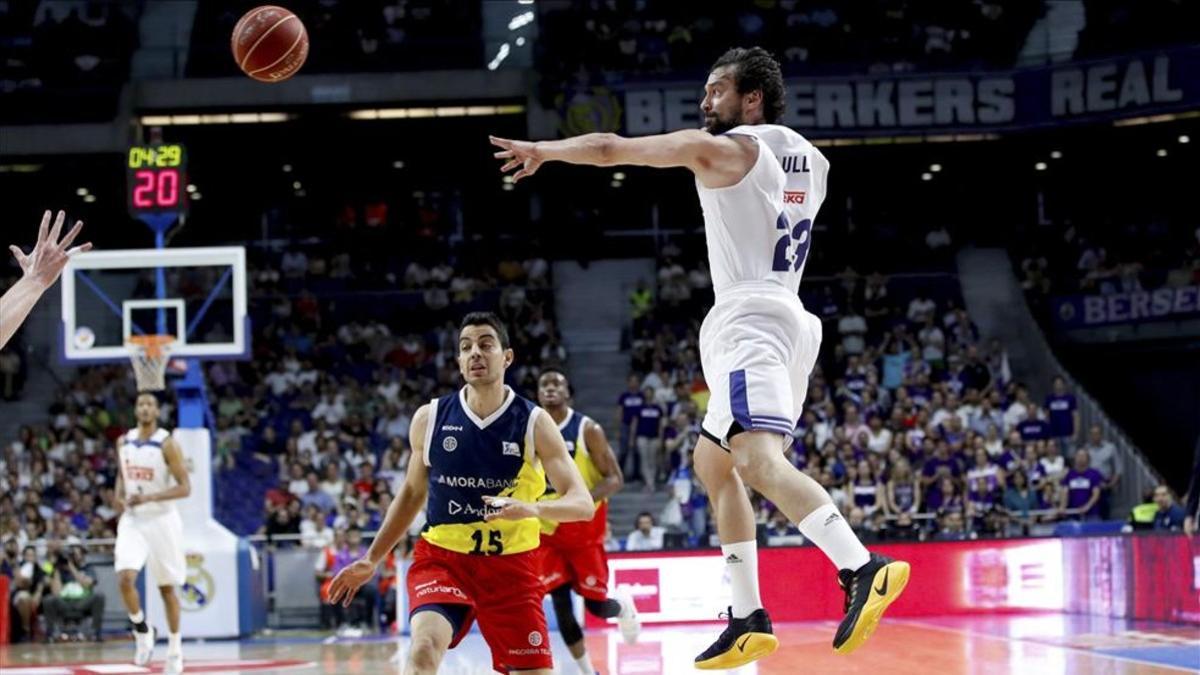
column 197, row 295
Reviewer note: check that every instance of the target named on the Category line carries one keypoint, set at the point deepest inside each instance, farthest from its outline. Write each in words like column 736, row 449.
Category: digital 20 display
column 156, row 179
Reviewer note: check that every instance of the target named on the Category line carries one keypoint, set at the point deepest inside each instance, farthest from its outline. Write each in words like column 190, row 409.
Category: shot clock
column 156, row 176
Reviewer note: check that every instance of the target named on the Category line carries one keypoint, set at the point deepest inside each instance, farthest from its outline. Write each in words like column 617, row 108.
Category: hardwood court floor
column 1040, row 644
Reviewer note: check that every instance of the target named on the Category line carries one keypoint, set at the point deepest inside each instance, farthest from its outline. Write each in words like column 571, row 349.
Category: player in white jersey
column 150, row 532
column 760, row 185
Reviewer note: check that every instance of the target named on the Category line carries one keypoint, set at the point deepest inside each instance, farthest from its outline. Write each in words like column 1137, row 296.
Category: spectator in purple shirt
column 1082, row 488
column 628, row 404
column 939, row 465
column 1034, row 428
column 648, row 435
column 1063, row 414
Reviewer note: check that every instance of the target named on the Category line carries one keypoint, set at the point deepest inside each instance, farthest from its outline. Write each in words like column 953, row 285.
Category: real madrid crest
column 198, row 589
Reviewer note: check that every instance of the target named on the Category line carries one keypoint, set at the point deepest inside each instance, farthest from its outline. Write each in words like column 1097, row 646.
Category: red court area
column 1118, row 604
column 1028, row 643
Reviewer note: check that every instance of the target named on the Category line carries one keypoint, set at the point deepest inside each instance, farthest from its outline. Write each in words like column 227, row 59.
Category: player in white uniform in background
column 150, row 532
column 760, row 185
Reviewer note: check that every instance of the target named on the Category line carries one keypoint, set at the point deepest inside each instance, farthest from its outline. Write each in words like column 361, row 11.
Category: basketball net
column 149, row 355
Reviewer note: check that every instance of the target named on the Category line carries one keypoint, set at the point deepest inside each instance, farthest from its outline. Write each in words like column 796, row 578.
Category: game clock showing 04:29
column 156, row 176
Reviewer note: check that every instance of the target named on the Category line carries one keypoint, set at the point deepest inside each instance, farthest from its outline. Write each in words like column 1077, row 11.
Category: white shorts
column 757, row 350
column 157, row 540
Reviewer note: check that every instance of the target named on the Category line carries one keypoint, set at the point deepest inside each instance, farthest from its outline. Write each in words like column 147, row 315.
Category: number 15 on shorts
column 495, row 546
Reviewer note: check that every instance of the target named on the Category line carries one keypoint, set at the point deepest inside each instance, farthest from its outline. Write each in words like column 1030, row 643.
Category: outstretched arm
column 718, row 161
column 41, row 269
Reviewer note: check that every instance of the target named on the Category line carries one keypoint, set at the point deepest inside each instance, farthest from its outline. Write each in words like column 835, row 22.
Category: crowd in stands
column 912, row 420
column 1062, row 259
column 60, row 53
column 56, row 491
column 360, row 36
column 607, row 39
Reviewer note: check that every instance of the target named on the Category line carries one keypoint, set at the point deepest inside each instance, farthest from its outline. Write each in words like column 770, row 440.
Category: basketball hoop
column 149, row 355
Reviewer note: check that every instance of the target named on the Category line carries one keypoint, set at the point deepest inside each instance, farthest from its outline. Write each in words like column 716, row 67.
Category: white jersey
column 761, row 228
column 144, row 470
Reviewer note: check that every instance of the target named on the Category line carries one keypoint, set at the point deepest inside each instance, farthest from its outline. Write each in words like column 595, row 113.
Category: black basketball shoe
column 743, row 641
column 869, row 591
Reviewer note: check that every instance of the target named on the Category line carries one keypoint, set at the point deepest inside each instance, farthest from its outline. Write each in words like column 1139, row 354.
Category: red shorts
column 584, row 567
column 502, row 592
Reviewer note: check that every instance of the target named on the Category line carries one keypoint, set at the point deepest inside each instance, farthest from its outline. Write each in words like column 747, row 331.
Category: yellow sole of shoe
column 748, row 647
column 896, row 575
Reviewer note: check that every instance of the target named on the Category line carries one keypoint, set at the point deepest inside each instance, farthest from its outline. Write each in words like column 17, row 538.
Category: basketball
column 269, row 43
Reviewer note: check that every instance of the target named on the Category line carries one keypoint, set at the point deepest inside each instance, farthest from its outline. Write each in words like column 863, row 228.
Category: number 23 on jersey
column 792, row 247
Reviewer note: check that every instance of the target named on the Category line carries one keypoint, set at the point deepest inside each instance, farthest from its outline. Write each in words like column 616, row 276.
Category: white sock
column 138, row 618
column 585, row 665
column 174, row 643
column 826, row 528
column 741, row 559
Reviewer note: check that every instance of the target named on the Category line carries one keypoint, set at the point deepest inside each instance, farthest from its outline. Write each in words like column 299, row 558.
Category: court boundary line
column 972, row 633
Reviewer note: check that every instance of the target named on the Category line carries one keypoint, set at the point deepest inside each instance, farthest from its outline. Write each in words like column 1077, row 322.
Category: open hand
column 509, row 508
column 347, row 582
column 518, row 153
column 49, row 255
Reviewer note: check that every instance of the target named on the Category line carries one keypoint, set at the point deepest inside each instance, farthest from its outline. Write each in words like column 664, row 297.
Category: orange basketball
column 269, row 43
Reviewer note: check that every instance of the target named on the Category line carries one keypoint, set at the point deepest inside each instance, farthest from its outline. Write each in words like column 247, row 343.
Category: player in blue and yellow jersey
column 573, row 554
column 477, row 469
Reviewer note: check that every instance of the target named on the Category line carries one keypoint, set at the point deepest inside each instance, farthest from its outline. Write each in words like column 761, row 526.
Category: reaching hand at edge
column 522, row 154
column 41, row 268
column 49, row 256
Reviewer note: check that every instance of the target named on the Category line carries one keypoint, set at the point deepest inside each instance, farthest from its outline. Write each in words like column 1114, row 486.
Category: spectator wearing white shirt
column 853, row 329
column 647, row 536
column 297, row 483
column 280, row 380
column 315, row 533
column 879, row 437
column 932, row 341
column 1018, row 411
column 307, row 374
column 333, row 485
column 992, row 441
column 657, row 378
column 311, row 441
column 921, row 307
column 331, row 410
column 1051, row 461
column 388, row 388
